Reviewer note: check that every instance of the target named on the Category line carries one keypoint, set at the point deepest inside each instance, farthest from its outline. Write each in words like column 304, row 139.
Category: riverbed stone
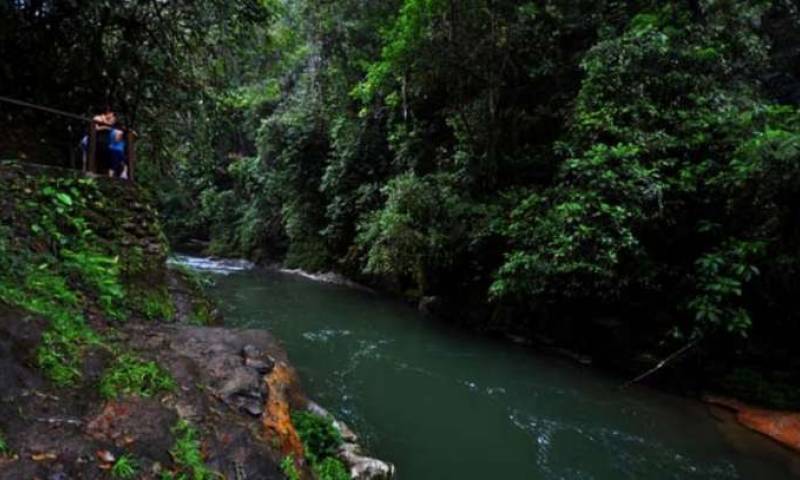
column 362, row 467
column 429, row 305
column 254, row 358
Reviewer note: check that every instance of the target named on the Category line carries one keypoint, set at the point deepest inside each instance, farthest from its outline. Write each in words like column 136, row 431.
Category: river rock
column 429, row 305
column 257, row 360
column 241, row 386
column 348, row 436
column 251, row 406
column 362, row 467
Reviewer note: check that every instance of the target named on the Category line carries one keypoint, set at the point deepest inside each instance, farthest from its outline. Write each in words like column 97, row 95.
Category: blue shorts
column 117, row 162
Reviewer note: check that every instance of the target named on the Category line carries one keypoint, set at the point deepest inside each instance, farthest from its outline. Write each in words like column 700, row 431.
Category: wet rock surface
column 221, row 390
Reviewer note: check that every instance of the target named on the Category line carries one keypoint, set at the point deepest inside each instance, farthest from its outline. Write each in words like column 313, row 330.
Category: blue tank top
column 113, row 143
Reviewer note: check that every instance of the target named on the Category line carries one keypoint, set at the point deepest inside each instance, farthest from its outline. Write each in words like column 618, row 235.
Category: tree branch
column 663, row 363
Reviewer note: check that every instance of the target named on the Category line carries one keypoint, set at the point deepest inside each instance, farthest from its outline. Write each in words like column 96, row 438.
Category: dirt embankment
column 109, row 366
column 224, row 386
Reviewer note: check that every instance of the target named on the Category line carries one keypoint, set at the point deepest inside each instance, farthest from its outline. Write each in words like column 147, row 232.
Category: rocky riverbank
column 116, row 366
column 63, row 433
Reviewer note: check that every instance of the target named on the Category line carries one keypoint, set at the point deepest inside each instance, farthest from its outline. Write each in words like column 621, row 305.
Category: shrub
column 320, row 438
column 331, row 469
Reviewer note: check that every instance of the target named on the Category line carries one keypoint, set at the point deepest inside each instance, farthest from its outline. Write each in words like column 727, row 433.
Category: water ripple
column 630, row 454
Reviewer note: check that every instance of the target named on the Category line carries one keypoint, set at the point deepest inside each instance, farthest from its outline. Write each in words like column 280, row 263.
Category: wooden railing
column 90, row 164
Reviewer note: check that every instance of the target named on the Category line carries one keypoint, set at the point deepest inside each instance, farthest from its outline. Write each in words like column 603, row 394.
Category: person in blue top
column 116, row 146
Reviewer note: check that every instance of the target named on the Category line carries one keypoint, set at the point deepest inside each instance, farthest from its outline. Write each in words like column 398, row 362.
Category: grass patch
column 132, row 376
column 124, row 468
column 187, row 455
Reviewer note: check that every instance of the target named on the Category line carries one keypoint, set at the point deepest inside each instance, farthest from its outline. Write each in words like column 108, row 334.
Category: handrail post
column 131, row 154
column 92, row 165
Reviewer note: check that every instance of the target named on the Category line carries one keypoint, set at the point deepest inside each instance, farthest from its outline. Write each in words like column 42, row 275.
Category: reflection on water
column 443, row 404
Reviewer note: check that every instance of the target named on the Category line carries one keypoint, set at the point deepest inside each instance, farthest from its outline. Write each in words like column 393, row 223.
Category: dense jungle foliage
column 619, row 176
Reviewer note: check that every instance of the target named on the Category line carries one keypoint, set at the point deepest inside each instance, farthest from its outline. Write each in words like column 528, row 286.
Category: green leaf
column 64, row 198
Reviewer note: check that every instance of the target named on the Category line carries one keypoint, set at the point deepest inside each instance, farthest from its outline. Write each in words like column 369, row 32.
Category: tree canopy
column 538, row 167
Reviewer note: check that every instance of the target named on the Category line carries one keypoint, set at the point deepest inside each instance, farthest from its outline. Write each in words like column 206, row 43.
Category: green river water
column 444, row 404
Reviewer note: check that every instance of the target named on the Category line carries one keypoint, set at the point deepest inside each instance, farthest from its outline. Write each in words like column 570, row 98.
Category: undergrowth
column 289, row 468
column 43, row 292
column 53, row 264
column 124, row 468
column 152, row 303
column 129, row 375
column 52, row 268
column 187, row 455
column 331, row 469
column 321, row 441
column 4, row 449
column 202, row 308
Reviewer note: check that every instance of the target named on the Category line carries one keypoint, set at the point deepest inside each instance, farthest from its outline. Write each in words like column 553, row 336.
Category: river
column 445, row 404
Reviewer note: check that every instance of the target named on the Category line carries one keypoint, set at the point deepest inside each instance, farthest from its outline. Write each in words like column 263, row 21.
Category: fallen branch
column 663, row 363
column 60, row 421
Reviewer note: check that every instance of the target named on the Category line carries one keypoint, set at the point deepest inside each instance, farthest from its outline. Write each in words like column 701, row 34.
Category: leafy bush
column 647, row 175
column 419, row 230
column 331, row 469
column 320, row 438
